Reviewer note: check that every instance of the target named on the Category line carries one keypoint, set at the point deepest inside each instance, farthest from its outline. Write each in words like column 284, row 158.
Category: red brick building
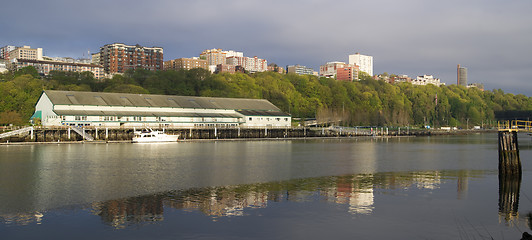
column 347, row 73
column 118, row 58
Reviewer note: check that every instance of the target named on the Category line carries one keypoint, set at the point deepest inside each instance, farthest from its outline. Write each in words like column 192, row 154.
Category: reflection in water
column 356, row 192
column 509, row 187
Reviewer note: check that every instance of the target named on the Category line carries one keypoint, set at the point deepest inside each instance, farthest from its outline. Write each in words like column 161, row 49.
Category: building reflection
column 355, row 192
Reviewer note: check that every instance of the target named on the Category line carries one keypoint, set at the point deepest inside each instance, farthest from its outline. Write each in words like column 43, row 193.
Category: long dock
column 65, row 134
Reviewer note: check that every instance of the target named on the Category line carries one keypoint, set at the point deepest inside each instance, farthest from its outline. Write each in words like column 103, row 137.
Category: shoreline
column 414, row 134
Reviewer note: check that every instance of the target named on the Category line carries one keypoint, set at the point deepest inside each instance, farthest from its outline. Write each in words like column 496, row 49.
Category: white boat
column 148, row 135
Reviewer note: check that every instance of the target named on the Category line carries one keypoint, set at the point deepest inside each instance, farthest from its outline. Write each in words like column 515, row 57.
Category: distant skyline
column 492, row 39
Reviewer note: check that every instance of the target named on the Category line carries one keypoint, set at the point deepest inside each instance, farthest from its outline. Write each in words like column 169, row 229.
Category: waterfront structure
column 26, row 52
column 329, row 70
column 118, row 58
column 186, row 64
column 461, row 76
column 298, row 69
column 364, row 62
column 347, row 73
column 427, row 79
column 121, row 110
column 44, row 67
column 4, row 51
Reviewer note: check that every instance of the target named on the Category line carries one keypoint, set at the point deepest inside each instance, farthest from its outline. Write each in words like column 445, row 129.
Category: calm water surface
column 444, row 187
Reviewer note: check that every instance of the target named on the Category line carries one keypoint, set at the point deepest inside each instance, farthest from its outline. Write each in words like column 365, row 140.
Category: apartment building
column 218, row 56
column 4, row 51
column 119, row 57
column 347, row 73
column 45, row 67
column 249, row 64
column 298, row 69
column 186, row 64
column 26, row 52
column 329, row 70
column 364, row 62
column 427, row 79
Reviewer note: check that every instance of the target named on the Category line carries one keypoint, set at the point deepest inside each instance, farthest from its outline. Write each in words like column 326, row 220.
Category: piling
column 509, row 161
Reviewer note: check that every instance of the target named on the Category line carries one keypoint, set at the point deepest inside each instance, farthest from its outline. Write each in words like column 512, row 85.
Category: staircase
column 85, row 135
column 16, row 132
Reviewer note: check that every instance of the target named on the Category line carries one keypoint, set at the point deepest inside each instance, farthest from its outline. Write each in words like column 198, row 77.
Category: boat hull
column 168, row 138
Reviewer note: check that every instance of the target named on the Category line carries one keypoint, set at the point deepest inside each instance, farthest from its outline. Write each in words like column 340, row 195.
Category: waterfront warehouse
column 71, row 108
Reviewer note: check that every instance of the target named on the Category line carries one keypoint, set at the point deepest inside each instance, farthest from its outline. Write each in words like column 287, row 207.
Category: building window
column 250, row 119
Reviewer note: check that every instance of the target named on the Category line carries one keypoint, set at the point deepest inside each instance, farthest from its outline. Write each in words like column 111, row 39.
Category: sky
column 491, row 38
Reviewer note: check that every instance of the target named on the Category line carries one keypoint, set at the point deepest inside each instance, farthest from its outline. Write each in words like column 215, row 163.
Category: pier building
column 71, row 108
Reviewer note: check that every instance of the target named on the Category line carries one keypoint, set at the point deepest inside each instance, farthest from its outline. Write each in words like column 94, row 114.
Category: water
column 442, row 187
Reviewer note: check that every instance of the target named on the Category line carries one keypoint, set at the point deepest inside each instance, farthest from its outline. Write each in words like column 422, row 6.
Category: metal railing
column 16, row 132
column 515, row 126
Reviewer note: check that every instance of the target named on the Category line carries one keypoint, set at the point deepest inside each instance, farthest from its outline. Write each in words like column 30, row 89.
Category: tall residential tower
column 461, row 76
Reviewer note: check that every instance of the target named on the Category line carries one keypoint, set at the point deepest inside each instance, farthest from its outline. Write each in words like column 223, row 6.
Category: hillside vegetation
column 365, row 102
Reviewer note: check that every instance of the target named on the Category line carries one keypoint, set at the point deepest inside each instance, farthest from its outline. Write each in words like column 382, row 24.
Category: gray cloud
column 414, row 37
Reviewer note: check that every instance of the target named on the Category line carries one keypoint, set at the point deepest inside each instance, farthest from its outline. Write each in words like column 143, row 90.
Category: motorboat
column 148, row 135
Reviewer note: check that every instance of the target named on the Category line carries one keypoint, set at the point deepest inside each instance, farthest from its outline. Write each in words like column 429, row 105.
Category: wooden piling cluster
column 509, row 161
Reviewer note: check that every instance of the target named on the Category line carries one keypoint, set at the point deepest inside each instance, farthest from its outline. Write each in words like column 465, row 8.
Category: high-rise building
column 365, row 63
column 118, row 57
column 461, row 76
column 185, row 63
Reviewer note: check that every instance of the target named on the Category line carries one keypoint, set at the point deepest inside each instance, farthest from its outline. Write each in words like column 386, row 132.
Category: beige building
column 186, row 63
column 26, row 52
column 214, row 56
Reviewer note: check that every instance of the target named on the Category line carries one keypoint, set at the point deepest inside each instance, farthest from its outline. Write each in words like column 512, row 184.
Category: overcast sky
column 493, row 39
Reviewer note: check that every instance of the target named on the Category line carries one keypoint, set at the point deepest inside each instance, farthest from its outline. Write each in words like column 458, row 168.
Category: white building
column 364, row 62
column 56, row 108
column 427, row 79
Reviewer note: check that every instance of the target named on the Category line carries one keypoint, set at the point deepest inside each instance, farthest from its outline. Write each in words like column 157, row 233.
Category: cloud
column 411, row 37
